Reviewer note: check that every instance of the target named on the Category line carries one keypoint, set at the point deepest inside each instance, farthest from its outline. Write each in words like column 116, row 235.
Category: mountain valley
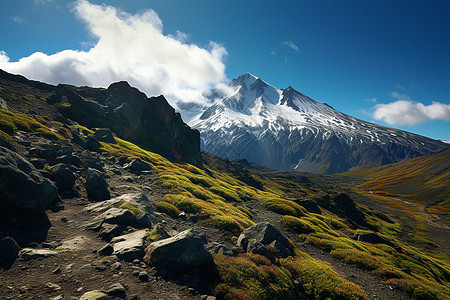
column 105, row 194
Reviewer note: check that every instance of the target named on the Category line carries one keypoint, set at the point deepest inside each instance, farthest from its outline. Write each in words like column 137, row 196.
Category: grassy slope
column 220, row 198
column 424, row 180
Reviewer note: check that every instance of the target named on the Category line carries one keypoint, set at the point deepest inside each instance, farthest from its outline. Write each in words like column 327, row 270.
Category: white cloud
column 128, row 47
column 3, row 57
column 18, row 20
column 291, row 45
column 374, row 100
column 399, row 96
column 42, row 2
column 405, row 112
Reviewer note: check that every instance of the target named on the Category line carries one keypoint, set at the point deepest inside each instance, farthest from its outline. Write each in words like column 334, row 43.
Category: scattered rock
column 104, row 135
column 117, row 290
column 137, row 166
column 116, row 266
column 137, row 204
column 217, row 248
column 63, row 176
column 9, row 250
column 181, row 252
column 73, row 243
column 129, row 246
column 143, row 276
column 94, row 295
column 262, row 234
column 21, row 184
column 28, row 253
column 92, row 144
column 96, row 186
column 206, row 297
column 106, row 250
column 108, row 231
column 53, row 286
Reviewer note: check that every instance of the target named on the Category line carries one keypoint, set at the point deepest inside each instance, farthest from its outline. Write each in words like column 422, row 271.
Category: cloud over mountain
column 128, row 47
column 407, row 112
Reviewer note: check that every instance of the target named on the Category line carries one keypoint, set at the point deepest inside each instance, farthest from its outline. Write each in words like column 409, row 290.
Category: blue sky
column 382, row 61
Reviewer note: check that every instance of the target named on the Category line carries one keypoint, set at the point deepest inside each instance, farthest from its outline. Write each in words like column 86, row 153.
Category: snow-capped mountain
column 284, row 129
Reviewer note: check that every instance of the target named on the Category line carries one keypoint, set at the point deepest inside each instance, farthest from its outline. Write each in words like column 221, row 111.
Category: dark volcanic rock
column 92, row 144
column 63, row 176
column 9, row 250
column 260, row 235
column 181, row 252
column 137, row 166
column 148, row 122
column 21, row 184
column 96, row 186
column 104, row 135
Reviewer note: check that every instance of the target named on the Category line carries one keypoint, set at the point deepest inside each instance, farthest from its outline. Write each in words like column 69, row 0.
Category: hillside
column 87, row 213
column 424, row 180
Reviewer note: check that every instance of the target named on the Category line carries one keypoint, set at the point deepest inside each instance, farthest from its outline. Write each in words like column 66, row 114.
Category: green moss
column 49, row 134
column 227, row 223
column 167, row 208
column 134, row 210
column 357, row 257
column 297, row 225
column 251, row 276
column 320, row 280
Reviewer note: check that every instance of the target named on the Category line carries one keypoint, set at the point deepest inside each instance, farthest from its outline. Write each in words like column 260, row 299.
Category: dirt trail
column 432, row 219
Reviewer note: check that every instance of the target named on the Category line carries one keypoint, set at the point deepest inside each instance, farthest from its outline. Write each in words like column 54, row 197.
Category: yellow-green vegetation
column 12, row 121
column 320, row 280
column 423, row 179
column 166, row 207
column 220, row 198
column 251, row 276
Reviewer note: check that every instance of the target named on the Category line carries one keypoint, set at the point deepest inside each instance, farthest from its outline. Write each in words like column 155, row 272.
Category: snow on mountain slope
column 287, row 130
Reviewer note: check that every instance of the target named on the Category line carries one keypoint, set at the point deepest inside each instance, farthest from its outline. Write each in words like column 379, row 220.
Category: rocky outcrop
column 179, row 253
column 128, row 210
column 129, row 246
column 265, row 240
column 28, row 253
column 137, row 166
column 21, row 185
column 148, row 122
column 96, row 186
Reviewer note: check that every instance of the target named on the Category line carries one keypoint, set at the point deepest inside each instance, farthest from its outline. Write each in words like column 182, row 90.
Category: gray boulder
column 264, row 234
column 183, row 251
column 138, row 166
column 129, row 246
column 96, row 186
column 92, row 144
column 63, row 176
column 94, row 295
column 21, row 184
column 9, row 250
column 104, row 135
column 136, row 204
column 28, row 253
